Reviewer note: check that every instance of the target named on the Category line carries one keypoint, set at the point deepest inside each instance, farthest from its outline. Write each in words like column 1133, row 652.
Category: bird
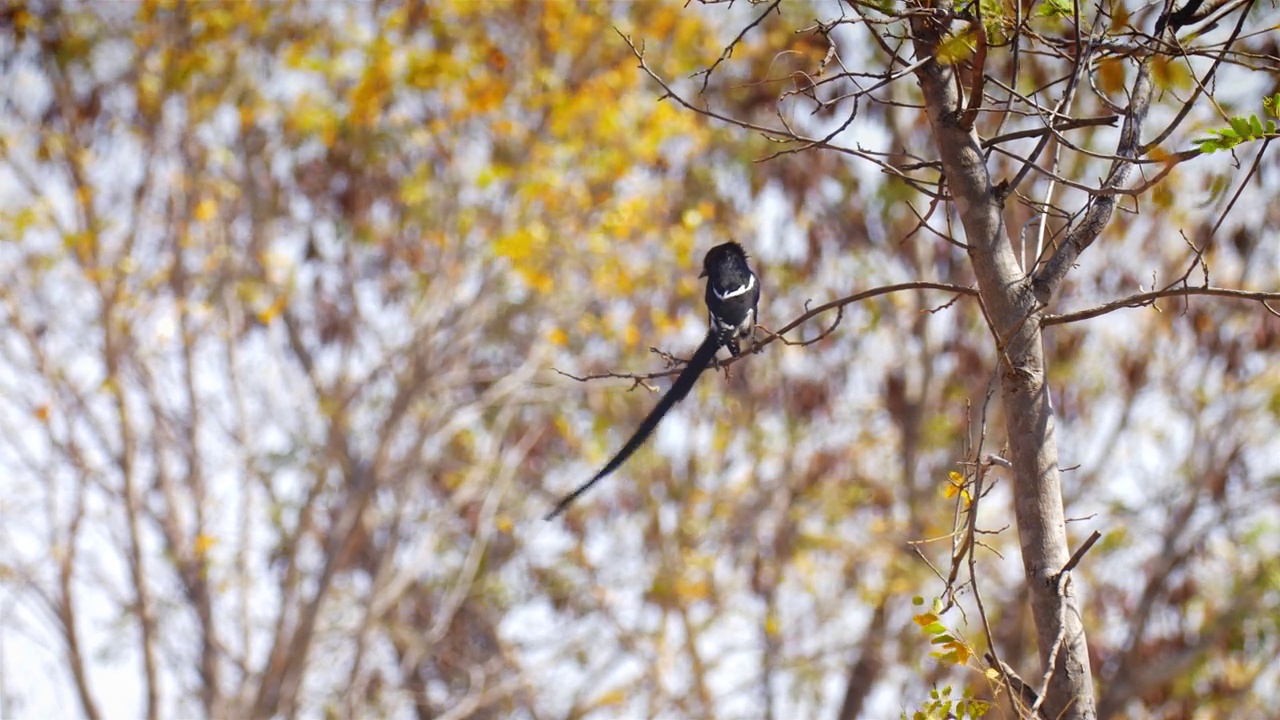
column 733, row 300
column 1189, row 14
column 733, row 294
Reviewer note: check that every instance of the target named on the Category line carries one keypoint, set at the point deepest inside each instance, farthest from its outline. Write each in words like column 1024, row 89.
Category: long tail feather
column 683, row 384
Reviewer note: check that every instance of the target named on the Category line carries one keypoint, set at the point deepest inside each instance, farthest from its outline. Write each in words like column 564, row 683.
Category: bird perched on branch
column 1190, row 13
column 733, row 298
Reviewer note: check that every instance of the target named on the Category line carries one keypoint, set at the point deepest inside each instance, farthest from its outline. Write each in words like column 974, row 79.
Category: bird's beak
column 703, row 273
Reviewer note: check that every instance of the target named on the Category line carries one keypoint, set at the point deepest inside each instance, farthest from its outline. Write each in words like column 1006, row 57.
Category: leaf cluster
column 941, row 705
column 955, row 651
column 1242, row 129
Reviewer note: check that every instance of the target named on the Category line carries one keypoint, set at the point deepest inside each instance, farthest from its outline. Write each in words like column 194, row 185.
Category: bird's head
column 729, row 253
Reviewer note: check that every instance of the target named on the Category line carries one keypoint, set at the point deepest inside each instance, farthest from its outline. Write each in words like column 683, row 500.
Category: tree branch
column 784, row 134
column 839, row 304
column 1059, row 126
column 1148, row 298
column 1046, row 281
column 728, row 51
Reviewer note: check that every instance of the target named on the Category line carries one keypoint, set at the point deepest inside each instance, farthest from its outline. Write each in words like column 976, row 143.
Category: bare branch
column 1059, row 126
column 1247, row 176
column 728, row 51
column 1020, row 690
column 1068, row 94
column 977, row 75
column 1078, row 555
column 1147, row 298
column 1047, row 280
column 785, row 134
column 778, row 335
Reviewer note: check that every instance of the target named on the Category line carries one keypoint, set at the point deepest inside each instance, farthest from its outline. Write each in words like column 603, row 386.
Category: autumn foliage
column 284, row 291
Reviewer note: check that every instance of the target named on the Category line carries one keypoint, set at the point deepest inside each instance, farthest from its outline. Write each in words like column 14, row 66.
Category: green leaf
column 1241, row 126
column 978, row 708
column 992, row 12
column 1056, row 8
column 935, row 628
column 1272, row 105
column 955, row 48
column 1256, row 126
column 950, row 658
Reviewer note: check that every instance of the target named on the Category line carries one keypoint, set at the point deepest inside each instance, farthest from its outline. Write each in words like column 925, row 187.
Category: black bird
column 1188, row 14
column 733, row 296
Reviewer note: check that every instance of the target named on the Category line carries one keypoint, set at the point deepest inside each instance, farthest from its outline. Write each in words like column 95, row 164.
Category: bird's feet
column 721, row 367
column 756, row 345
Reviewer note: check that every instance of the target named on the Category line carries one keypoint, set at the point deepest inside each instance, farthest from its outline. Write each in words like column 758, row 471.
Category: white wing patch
column 751, row 283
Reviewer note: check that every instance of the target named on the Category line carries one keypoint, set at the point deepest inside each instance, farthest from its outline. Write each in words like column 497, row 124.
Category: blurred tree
column 1001, row 137
column 283, row 291
column 259, row 301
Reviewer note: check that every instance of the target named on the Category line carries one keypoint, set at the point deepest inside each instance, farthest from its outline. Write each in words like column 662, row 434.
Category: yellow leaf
column 203, row 544
column 1170, row 73
column 82, row 244
column 992, row 674
column 925, row 619
column 206, row 209
column 557, row 336
column 517, row 247
column 542, row 282
column 271, row 312
column 84, row 194
column 771, row 625
column 613, row 697
column 42, row 413
column 689, row 589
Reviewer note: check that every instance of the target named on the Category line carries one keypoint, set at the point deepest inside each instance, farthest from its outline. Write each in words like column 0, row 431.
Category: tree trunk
column 1013, row 314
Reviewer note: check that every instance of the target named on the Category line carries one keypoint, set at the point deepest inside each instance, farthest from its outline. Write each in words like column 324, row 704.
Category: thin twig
column 728, row 51
column 1252, row 169
column 774, row 133
column 1079, row 553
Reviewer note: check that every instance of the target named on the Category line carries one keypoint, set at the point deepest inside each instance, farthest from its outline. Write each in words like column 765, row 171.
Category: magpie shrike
column 733, row 297
column 733, row 294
